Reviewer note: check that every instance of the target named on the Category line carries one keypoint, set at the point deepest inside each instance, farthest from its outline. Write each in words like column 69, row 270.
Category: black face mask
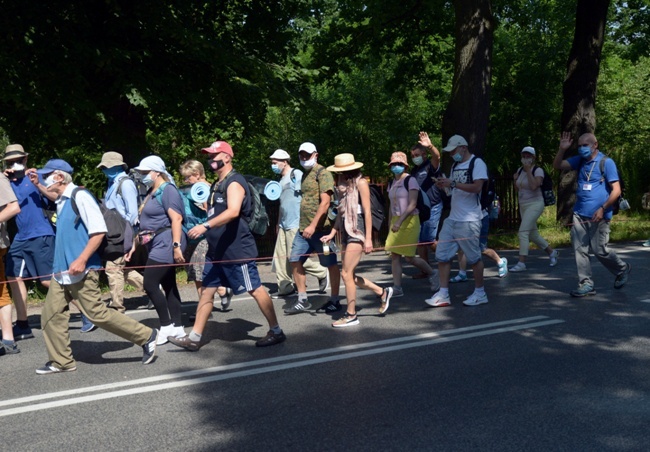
column 216, row 165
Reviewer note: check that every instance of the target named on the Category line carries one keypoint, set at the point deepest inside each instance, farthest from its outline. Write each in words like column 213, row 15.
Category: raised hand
column 565, row 141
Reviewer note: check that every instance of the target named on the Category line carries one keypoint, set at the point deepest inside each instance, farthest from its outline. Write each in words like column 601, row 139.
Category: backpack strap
column 73, row 201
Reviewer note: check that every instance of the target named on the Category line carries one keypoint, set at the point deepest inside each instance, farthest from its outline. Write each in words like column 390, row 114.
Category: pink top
column 398, row 196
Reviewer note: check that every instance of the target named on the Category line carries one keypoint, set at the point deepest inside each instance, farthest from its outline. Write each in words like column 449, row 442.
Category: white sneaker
column 179, row 332
column 165, row 332
column 434, row 281
column 520, row 267
column 553, row 257
column 503, row 268
column 475, row 300
column 438, row 301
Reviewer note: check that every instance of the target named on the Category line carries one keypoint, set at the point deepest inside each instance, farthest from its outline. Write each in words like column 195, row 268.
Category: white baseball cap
column 454, row 142
column 280, row 154
column 307, row 147
column 528, row 149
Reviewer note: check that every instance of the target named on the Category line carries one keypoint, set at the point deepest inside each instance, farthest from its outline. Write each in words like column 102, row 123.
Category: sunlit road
column 534, row 369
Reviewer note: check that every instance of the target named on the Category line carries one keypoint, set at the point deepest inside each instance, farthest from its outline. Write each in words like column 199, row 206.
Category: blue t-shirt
column 592, row 191
column 125, row 201
column 290, row 198
column 154, row 216
column 31, row 221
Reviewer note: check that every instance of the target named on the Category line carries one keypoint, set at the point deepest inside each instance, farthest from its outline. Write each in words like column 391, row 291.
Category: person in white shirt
column 462, row 229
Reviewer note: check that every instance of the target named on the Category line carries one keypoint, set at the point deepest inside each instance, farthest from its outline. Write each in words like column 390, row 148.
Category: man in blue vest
column 74, row 275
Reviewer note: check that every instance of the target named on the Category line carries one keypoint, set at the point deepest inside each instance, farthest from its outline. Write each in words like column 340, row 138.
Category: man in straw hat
column 31, row 254
column 122, row 196
column 288, row 223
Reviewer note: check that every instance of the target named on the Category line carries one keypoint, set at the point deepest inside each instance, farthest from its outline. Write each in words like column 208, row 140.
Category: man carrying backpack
column 597, row 191
column 122, row 196
column 317, row 191
column 75, row 276
column 425, row 170
column 288, row 223
column 231, row 249
column 462, row 229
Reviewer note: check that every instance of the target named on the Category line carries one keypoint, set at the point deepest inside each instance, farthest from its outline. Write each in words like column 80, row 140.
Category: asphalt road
column 534, row 369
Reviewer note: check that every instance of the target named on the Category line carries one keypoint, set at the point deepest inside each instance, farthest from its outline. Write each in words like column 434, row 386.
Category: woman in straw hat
column 354, row 220
column 404, row 223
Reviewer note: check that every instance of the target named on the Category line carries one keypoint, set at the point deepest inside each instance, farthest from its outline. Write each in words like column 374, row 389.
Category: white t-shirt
column 525, row 194
column 466, row 206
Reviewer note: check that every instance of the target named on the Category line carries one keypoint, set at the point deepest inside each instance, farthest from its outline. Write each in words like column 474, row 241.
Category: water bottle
column 326, row 249
column 333, row 247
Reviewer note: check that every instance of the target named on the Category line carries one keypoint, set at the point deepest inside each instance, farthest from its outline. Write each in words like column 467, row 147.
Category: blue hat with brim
column 55, row 165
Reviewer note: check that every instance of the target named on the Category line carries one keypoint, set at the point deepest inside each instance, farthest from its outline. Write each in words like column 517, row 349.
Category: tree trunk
column 468, row 110
column 579, row 90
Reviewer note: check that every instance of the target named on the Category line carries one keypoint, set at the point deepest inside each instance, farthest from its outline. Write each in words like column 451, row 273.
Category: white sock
column 194, row 336
column 444, row 291
column 480, row 291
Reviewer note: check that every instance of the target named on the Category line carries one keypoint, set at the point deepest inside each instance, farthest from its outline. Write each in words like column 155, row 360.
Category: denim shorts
column 302, row 248
column 429, row 229
column 31, row 258
column 459, row 234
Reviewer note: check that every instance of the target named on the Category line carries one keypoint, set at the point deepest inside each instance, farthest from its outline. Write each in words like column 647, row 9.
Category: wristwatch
column 206, row 225
column 176, row 244
column 453, row 184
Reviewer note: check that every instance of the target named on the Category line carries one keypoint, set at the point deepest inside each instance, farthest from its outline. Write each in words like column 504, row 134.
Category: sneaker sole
column 344, row 325
column 22, row 337
column 475, row 304
column 59, row 371
column 587, row 294
column 438, row 305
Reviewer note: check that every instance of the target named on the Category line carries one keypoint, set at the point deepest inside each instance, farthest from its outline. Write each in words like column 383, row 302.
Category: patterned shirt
column 312, row 188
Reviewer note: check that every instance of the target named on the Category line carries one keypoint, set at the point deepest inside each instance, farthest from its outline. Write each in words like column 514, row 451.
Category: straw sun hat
column 344, row 162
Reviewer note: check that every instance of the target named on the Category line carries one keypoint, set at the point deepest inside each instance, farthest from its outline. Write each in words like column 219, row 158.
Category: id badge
column 586, row 187
column 210, row 212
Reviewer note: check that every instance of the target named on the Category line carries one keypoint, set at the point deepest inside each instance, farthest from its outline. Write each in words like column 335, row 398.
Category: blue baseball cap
column 55, row 165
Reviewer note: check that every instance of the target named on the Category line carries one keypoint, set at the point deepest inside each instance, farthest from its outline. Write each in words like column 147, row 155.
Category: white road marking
column 303, row 359
column 647, row 300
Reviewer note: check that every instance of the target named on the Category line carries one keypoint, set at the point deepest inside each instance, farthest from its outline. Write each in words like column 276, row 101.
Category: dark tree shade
column 469, row 106
column 579, row 90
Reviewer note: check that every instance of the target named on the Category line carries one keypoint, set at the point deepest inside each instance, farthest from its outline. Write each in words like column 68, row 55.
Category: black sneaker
column 271, row 339
column 22, row 333
column 330, row 307
column 622, row 278
column 149, row 349
column 50, row 368
column 277, row 295
column 225, row 301
column 8, row 349
column 300, row 306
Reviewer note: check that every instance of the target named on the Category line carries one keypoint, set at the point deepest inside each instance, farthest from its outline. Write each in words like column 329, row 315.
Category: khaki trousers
column 116, row 273
column 55, row 318
column 283, row 270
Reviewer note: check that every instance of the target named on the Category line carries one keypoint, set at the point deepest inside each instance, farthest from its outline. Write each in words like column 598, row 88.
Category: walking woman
column 161, row 220
column 354, row 220
column 404, row 223
column 528, row 181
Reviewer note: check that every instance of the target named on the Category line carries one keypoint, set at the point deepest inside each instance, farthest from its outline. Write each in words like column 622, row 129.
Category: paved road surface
column 531, row 370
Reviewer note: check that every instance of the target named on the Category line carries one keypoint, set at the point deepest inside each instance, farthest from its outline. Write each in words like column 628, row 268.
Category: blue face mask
column 417, row 161
column 147, row 180
column 584, row 151
column 457, row 157
column 112, row 173
column 276, row 169
column 397, row 169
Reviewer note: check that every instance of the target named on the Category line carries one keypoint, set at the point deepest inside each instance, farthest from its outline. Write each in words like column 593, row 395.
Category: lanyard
column 590, row 171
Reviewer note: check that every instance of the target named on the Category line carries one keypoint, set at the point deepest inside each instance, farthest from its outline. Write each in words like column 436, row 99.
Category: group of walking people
column 220, row 252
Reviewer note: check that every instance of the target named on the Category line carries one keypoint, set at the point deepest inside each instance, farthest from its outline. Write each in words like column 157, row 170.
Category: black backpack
column 257, row 218
column 546, row 187
column 377, row 207
column 488, row 192
column 423, row 204
column 119, row 232
column 140, row 187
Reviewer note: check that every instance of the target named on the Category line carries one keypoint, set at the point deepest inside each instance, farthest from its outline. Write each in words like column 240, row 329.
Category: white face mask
column 17, row 166
column 526, row 161
column 49, row 181
column 307, row 164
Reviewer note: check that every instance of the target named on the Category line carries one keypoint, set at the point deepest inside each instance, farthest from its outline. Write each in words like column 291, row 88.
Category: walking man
column 122, row 196
column 462, row 229
column 597, row 191
column 317, row 191
column 231, row 250
column 74, row 275
column 288, row 224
